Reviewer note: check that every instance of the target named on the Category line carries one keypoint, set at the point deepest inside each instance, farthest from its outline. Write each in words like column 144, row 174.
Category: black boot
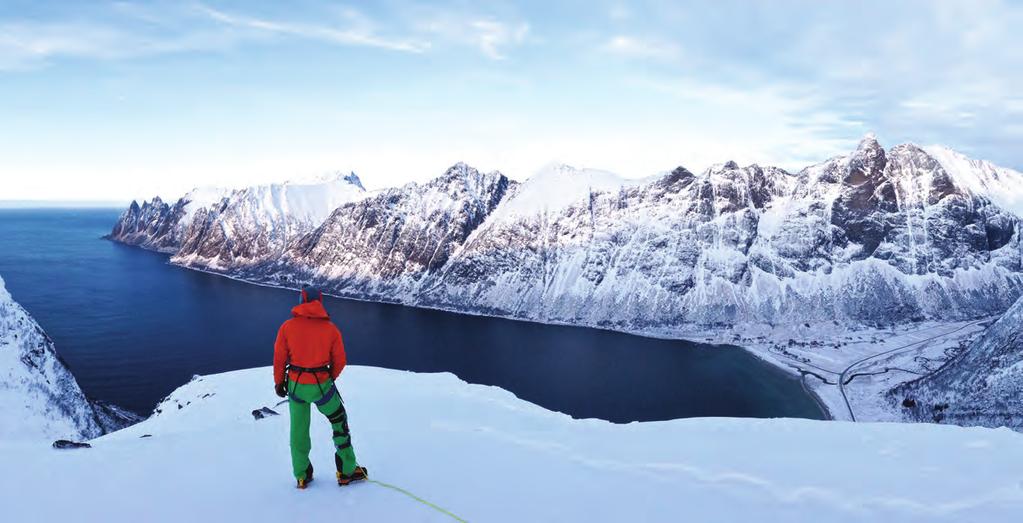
column 360, row 473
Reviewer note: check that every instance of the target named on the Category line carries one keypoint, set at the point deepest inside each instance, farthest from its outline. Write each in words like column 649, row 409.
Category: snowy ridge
column 491, row 445
column 388, row 244
column 982, row 178
column 39, row 398
column 555, row 187
column 221, row 228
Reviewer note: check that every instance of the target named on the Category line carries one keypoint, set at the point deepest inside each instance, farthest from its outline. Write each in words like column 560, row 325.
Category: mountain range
column 869, row 238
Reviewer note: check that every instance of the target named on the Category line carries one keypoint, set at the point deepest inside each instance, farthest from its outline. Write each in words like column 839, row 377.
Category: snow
column 1002, row 186
column 201, row 198
column 557, row 186
column 39, row 398
column 484, row 455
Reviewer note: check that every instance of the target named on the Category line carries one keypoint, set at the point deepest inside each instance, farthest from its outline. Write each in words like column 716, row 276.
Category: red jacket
column 309, row 339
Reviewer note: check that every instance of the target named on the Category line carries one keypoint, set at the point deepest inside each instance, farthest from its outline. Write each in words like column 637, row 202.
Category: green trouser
column 328, row 402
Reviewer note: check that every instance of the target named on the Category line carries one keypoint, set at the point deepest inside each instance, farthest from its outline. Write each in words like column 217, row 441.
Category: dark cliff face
column 868, row 198
column 154, row 225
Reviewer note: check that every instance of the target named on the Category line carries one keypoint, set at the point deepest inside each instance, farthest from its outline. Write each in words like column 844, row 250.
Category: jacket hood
column 312, row 309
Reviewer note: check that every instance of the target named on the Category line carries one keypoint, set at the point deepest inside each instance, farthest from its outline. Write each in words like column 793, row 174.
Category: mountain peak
column 353, row 179
column 558, row 169
column 869, row 141
column 460, row 170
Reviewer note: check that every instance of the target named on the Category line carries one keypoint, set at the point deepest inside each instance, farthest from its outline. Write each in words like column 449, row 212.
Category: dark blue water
column 133, row 328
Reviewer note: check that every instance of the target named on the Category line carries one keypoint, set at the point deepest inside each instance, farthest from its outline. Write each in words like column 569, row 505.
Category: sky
column 115, row 100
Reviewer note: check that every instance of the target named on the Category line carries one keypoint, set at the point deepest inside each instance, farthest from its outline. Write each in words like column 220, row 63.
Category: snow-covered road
column 845, row 378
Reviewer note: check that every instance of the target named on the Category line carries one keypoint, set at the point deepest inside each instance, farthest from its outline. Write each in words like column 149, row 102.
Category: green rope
column 417, row 498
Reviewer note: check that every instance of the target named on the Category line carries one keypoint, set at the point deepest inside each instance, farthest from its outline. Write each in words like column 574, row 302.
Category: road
column 842, row 381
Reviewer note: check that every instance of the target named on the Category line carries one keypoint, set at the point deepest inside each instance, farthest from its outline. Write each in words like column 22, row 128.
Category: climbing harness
column 288, row 367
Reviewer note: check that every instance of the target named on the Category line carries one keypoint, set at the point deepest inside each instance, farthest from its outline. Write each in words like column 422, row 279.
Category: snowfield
column 484, row 455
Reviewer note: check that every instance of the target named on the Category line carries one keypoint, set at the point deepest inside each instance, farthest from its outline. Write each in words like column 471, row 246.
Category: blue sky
column 117, row 100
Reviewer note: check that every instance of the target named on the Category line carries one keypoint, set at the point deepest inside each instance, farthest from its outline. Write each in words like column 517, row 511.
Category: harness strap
column 327, row 397
column 338, row 416
column 288, row 367
column 324, row 368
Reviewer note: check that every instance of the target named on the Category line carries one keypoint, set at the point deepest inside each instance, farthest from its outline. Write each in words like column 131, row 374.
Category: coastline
column 698, row 337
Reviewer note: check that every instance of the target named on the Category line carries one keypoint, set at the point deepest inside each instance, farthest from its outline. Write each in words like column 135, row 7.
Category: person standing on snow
column 308, row 357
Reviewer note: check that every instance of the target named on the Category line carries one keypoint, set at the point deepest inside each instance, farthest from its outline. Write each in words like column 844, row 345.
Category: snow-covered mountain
column 160, row 226
column 39, row 398
column 216, row 228
column 872, row 237
column 385, row 247
column 983, row 385
column 503, row 459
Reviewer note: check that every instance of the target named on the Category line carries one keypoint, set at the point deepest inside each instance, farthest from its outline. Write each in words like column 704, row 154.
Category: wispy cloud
column 488, row 35
column 356, row 29
column 124, row 30
column 22, row 44
column 933, row 72
column 636, row 47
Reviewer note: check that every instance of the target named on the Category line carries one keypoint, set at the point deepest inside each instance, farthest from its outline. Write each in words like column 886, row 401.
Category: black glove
column 281, row 390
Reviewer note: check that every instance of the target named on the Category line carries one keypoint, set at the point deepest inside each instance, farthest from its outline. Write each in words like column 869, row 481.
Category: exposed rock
column 263, row 412
column 68, row 444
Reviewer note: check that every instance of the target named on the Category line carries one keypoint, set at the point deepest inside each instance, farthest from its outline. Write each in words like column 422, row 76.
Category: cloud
column 359, row 30
column 488, row 35
column 126, row 30
column 491, row 36
column 634, row 47
column 22, row 44
column 121, row 30
column 922, row 71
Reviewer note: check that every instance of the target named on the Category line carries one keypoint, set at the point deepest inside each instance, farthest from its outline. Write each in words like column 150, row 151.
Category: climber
column 308, row 358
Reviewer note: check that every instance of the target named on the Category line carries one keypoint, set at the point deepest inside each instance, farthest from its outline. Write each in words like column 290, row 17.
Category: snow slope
column 484, row 455
column 1000, row 184
column 557, row 186
column 39, row 398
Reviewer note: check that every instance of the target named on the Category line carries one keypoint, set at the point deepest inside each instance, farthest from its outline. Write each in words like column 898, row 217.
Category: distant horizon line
column 62, row 204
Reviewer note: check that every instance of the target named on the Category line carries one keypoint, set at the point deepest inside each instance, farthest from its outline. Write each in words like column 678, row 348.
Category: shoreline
column 769, row 364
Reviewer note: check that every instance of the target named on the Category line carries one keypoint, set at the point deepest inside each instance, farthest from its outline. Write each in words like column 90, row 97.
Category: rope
column 417, row 498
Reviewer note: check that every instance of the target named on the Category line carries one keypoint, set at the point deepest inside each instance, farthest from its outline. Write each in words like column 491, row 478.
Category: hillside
column 982, row 386
column 39, row 397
